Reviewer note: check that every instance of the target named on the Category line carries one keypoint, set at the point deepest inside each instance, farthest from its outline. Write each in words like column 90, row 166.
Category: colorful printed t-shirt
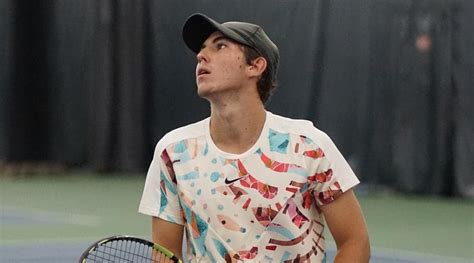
column 259, row 206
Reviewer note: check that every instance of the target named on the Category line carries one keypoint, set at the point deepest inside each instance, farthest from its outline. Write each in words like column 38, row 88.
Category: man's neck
column 235, row 127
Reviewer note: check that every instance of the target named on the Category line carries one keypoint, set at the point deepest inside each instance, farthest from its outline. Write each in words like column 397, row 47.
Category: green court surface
column 81, row 208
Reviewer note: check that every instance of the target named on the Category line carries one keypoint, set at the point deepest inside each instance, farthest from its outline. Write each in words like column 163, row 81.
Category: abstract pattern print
column 263, row 206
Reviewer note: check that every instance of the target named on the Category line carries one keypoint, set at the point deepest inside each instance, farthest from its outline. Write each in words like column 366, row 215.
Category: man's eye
column 221, row 45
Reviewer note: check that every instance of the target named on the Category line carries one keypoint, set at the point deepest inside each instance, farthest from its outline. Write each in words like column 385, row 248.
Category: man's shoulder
column 300, row 127
column 286, row 122
column 193, row 130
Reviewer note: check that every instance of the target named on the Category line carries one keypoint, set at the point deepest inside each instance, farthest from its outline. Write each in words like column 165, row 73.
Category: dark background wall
column 95, row 84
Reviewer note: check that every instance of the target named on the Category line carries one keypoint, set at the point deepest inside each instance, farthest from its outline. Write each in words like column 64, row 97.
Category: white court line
column 408, row 255
column 64, row 240
column 42, row 216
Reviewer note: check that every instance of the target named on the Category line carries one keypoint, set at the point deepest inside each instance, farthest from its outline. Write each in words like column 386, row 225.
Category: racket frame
column 154, row 246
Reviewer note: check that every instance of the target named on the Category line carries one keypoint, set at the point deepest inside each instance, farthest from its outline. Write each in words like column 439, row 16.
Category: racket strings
column 124, row 251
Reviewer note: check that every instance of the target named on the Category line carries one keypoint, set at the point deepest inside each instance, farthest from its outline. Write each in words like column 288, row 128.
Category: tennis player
column 247, row 185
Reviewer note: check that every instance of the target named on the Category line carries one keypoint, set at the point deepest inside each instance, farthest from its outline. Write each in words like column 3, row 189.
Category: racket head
column 125, row 248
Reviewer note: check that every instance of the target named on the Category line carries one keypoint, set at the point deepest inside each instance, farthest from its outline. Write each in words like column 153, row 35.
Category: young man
column 246, row 184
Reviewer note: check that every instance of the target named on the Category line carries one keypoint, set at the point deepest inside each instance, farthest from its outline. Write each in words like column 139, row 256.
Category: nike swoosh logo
column 227, row 181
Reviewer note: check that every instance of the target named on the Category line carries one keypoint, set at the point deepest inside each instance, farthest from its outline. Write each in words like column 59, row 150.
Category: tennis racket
column 126, row 249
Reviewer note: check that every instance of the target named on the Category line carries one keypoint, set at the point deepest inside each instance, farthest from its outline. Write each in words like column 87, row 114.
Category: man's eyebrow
column 215, row 40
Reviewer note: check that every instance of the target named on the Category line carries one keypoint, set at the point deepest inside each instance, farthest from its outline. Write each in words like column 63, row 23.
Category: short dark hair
column 266, row 84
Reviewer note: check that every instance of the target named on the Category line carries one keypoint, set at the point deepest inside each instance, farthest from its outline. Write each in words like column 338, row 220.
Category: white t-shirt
column 258, row 206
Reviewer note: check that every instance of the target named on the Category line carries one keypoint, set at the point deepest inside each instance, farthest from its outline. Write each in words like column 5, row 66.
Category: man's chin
column 204, row 92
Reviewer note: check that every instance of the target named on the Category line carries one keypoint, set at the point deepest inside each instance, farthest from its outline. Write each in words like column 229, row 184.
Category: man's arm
column 167, row 234
column 347, row 225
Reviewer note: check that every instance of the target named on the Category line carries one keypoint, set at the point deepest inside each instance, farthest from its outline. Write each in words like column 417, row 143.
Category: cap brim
column 198, row 27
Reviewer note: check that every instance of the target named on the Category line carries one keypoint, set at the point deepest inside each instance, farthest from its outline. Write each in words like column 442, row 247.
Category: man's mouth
column 202, row 72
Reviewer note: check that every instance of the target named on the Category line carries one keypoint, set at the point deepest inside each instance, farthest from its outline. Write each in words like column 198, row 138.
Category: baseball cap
column 198, row 27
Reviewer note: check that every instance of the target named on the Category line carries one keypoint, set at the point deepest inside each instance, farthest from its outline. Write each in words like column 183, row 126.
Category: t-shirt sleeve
column 160, row 195
column 331, row 174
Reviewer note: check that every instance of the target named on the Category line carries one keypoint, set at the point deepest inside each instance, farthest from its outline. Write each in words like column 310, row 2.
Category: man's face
column 221, row 66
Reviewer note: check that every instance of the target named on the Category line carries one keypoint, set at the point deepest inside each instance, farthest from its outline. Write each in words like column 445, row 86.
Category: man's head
column 255, row 42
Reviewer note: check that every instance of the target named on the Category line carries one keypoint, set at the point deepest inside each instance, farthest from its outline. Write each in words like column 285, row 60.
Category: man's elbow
column 362, row 244
column 354, row 250
column 366, row 253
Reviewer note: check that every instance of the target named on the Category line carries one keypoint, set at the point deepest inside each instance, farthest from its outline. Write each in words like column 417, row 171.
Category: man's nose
column 201, row 56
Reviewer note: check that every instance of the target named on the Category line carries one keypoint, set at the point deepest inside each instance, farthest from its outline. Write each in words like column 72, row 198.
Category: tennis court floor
column 54, row 218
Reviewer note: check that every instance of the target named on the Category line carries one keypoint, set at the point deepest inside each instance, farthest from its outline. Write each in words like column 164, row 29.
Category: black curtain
column 95, row 84
column 462, row 81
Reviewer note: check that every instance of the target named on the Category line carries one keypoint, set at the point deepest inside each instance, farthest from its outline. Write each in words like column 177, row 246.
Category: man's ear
column 257, row 67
